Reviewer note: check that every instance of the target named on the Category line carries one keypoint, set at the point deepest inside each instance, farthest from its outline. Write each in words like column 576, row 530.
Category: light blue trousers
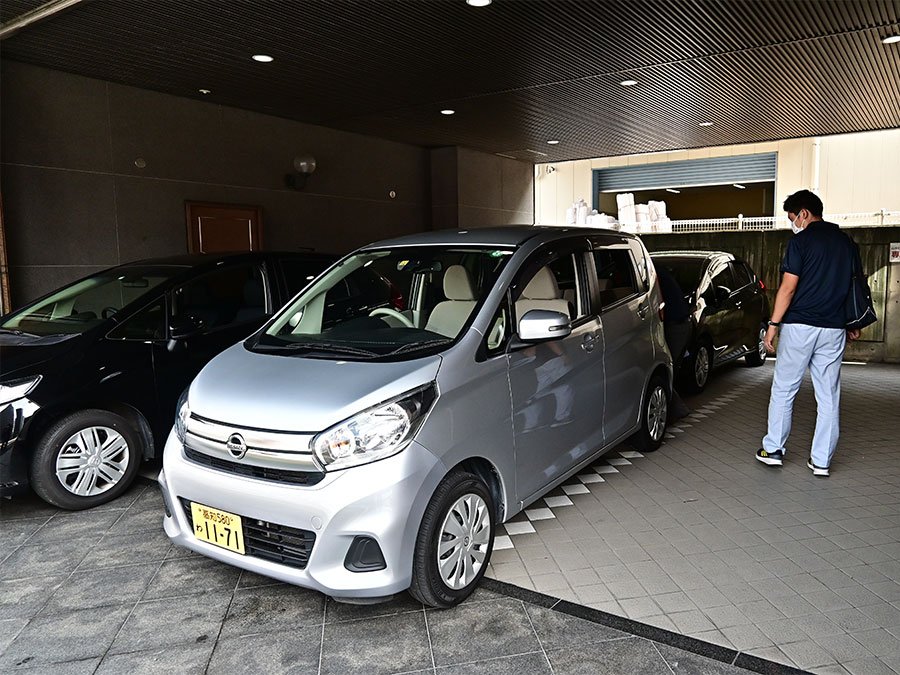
column 819, row 349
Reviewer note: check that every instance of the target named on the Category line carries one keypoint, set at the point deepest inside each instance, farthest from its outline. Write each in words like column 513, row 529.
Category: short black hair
column 804, row 199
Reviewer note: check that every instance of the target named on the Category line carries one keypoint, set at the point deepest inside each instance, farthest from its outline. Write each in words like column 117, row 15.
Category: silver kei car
column 374, row 449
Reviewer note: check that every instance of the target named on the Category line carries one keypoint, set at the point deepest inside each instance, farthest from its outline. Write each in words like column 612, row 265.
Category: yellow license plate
column 218, row 527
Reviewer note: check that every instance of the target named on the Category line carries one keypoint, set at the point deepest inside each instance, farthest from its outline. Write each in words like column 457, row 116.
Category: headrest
column 456, row 284
column 542, row 286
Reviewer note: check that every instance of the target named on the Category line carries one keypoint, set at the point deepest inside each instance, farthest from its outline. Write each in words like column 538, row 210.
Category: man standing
column 809, row 310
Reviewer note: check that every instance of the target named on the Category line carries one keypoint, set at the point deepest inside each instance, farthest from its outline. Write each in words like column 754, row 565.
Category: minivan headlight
column 13, row 390
column 376, row 433
column 182, row 414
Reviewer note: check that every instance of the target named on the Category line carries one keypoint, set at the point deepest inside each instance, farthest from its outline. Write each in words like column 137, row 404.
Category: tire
column 653, row 417
column 697, row 366
column 110, row 452
column 758, row 357
column 452, row 503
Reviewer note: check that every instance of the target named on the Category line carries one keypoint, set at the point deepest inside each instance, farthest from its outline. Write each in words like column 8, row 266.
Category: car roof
column 692, row 254
column 190, row 260
column 512, row 235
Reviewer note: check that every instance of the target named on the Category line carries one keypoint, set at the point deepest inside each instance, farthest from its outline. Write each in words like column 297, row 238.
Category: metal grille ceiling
column 518, row 72
column 686, row 173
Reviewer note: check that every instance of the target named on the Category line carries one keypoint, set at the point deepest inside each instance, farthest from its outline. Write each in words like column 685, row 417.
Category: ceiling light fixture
column 739, row 186
column 205, row 91
column 706, row 124
column 479, row 3
column 262, row 58
column 553, row 141
column 628, row 83
column 891, row 39
column 448, row 111
column 673, row 190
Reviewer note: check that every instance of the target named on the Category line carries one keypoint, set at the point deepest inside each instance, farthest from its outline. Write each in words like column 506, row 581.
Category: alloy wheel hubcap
column 656, row 414
column 463, row 543
column 92, row 461
column 762, row 343
column 701, row 368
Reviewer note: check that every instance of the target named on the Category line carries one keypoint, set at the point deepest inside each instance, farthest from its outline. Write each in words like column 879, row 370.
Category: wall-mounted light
column 551, row 169
column 304, row 165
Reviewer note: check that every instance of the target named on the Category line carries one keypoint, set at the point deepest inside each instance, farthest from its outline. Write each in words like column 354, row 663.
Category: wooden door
column 217, row 228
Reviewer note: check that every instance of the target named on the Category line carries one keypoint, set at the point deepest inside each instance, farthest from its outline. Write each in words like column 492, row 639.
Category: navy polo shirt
column 821, row 255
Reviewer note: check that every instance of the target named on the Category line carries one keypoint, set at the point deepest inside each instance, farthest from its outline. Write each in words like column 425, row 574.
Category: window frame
column 635, row 275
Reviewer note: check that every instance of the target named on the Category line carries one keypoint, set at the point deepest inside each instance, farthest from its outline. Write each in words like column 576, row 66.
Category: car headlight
column 13, row 390
column 376, row 433
column 182, row 414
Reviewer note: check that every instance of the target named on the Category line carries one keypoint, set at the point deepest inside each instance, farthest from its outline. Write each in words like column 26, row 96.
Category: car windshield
column 686, row 271
column 386, row 303
column 86, row 303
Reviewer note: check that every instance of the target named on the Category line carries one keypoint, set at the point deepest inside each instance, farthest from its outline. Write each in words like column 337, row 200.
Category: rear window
column 686, row 271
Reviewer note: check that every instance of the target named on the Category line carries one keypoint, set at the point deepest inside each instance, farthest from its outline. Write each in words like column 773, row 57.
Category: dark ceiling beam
column 41, row 13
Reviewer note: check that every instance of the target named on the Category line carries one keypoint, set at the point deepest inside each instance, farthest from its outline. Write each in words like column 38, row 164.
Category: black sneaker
column 817, row 470
column 771, row 458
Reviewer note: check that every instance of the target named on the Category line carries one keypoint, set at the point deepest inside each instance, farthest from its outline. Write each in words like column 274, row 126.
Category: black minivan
column 729, row 311
column 90, row 373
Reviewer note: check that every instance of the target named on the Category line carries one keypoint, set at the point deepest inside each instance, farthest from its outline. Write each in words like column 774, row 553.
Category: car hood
column 22, row 354
column 296, row 394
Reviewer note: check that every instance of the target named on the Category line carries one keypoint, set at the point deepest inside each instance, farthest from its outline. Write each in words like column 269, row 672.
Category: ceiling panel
column 518, row 72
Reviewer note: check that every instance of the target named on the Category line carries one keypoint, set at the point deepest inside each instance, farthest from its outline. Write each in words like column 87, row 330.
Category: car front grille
column 253, row 471
column 285, row 545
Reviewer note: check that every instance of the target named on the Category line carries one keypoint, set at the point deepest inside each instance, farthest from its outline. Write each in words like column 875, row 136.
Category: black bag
column 858, row 308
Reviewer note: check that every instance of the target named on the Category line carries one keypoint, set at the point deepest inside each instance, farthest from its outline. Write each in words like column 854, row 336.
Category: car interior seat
column 542, row 292
column 254, row 302
column 448, row 317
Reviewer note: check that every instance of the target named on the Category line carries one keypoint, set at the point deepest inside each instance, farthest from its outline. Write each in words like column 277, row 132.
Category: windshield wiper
column 16, row 332
column 324, row 347
column 413, row 346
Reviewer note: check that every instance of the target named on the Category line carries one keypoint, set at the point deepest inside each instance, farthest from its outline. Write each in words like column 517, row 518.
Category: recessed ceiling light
column 706, row 124
column 628, row 83
column 263, row 58
column 479, row 3
column 673, row 190
column 891, row 39
column 205, row 91
column 553, row 141
column 447, row 111
column 739, row 186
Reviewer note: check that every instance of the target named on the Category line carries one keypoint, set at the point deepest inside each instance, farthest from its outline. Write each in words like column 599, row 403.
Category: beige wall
column 857, row 173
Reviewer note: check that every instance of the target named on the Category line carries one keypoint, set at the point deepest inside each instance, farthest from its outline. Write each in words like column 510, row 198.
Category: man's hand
column 853, row 334
column 769, row 340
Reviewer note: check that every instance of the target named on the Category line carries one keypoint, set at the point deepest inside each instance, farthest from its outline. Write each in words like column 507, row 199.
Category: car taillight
column 762, row 286
column 397, row 298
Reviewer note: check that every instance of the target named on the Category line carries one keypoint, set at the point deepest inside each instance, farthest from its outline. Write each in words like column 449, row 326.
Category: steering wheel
column 107, row 312
column 387, row 311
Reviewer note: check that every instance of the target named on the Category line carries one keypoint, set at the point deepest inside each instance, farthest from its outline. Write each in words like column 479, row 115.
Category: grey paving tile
column 190, row 659
column 477, row 632
column 248, row 579
column 77, row 667
column 878, row 641
column 25, row 597
column 507, row 665
column 630, row 655
column 157, row 623
column 190, row 577
column 340, row 611
column 63, row 527
column 65, row 637
column 26, row 506
column 16, row 532
column 807, row 654
column 556, row 630
column 101, row 588
column 271, row 609
column 389, row 644
column 294, row 652
column 118, row 549
column 9, row 629
column 44, row 560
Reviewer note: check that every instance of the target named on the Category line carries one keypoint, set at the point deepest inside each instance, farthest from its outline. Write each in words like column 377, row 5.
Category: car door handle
column 738, row 304
column 587, row 344
column 642, row 311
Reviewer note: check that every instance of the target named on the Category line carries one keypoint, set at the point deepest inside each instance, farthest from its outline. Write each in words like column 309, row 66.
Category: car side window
column 554, row 283
column 742, row 276
column 147, row 324
column 721, row 284
column 615, row 275
column 221, row 298
column 297, row 273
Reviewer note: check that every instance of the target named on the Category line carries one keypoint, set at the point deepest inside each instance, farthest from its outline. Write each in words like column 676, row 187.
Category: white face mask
column 795, row 227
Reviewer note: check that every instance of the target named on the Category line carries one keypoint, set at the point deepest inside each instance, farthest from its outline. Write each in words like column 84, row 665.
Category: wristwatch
column 774, row 323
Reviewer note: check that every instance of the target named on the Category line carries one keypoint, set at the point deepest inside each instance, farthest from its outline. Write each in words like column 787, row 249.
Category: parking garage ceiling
column 517, row 73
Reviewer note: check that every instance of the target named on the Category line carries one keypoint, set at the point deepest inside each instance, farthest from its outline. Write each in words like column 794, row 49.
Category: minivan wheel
column 653, row 417
column 86, row 459
column 758, row 357
column 455, row 541
column 697, row 366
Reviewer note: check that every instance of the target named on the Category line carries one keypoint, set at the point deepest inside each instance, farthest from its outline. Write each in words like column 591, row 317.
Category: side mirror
column 184, row 326
column 543, row 324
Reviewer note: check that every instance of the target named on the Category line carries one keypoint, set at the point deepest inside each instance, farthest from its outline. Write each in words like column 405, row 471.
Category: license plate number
column 218, row 527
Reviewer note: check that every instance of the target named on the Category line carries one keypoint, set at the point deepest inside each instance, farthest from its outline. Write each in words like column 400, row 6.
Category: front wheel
column 455, row 541
column 653, row 417
column 86, row 459
column 758, row 357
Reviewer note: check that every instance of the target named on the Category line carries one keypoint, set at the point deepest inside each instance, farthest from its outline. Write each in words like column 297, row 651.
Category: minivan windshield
column 386, row 303
column 87, row 303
